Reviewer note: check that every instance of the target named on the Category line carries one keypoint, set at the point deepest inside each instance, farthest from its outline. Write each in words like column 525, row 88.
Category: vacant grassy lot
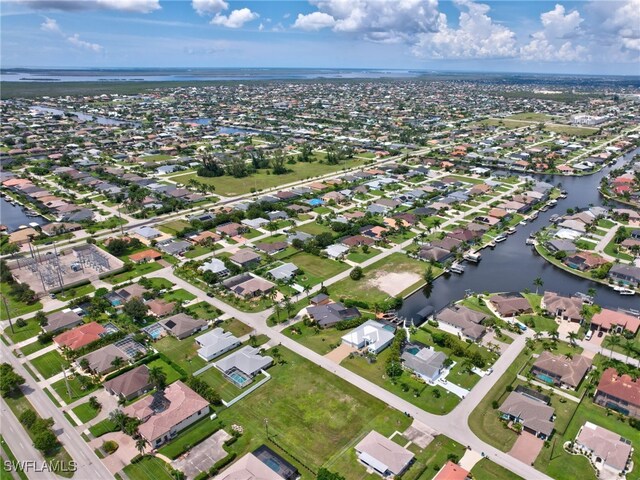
column 315, row 269
column 360, row 256
column 19, row 334
column 289, row 402
column 236, row 327
column 485, row 469
column 321, row 341
column 180, row 294
column 182, row 352
column 571, row 131
column 368, row 287
column 50, row 364
column 314, row 228
column 262, row 180
column 203, row 311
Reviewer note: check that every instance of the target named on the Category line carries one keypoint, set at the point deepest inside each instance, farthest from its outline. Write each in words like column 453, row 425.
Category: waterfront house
column 371, row 335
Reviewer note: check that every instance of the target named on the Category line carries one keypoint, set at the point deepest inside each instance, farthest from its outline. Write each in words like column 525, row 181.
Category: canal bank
column 513, row 265
column 13, row 216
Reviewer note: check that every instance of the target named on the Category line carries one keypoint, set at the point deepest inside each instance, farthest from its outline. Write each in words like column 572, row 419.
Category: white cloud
column 559, row 40
column 477, row 36
column 314, row 21
column 375, row 20
column 622, row 19
column 135, row 6
column 77, row 42
column 50, row 25
column 211, row 7
column 236, row 19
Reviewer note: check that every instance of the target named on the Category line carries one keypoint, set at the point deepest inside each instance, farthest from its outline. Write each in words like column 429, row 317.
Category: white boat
column 472, row 257
column 534, row 215
column 624, row 291
column 523, row 222
column 33, row 224
column 530, row 241
column 500, row 238
column 457, row 268
column 553, row 203
column 511, row 230
column 22, row 227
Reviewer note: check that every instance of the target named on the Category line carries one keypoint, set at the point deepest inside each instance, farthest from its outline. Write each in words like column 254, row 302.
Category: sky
column 574, row 37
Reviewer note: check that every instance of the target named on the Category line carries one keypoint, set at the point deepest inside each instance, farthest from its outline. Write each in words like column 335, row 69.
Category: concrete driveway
column 340, row 353
column 202, row 457
column 527, row 448
column 121, row 457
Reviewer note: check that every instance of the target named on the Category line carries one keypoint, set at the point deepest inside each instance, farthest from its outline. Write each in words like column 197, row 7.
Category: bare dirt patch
column 393, row 283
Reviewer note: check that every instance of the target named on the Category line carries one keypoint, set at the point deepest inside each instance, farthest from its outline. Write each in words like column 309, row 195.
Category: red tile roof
column 80, row 336
column 622, row 387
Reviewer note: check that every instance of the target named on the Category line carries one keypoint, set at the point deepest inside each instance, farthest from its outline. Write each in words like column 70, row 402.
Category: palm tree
column 573, row 336
column 612, row 341
column 119, row 418
column 538, row 282
column 592, row 293
column 288, row 305
column 158, row 378
column 117, row 362
column 277, row 309
column 306, row 288
column 141, row 443
column 628, row 348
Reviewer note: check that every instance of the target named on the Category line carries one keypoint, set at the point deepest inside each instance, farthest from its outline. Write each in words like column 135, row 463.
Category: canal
column 14, row 216
column 512, row 265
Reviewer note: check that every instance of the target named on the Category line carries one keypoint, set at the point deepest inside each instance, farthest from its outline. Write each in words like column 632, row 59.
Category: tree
column 428, row 275
column 158, row 378
column 278, row 163
column 85, row 365
column 356, row 273
column 9, row 380
column 538, row 282
column 28, row 418
column 573, row 336
column 119, row 418
column 393, row 369
column 94, row 403
column 141, row 444
column 612, row 340
column 41, row 318
column 136, row 308
column 277, row 308
column 116, row 363
column 45, row 440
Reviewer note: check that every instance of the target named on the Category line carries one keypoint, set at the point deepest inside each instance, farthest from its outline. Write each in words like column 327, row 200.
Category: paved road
column 89, row 466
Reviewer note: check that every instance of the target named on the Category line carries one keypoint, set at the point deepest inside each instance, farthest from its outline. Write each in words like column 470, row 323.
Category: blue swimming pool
column 272, row 464
column 238, row 378
column 413, row 350
column 314, row 202
column 545, row 378
column 389, row 328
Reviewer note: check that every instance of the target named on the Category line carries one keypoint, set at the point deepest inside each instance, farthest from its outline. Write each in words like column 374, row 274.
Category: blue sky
column 601, row 36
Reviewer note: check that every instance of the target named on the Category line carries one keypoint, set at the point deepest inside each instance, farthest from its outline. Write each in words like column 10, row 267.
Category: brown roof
column 568, row 306
column 509, row 306
column 180, row 403
column 160, row 307
column 570, row 370
column 129, row 382
column 622, row 387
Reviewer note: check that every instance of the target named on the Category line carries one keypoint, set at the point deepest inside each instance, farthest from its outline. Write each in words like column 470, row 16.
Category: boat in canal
column 474, row 257
column 457, row 268
column 500, row 238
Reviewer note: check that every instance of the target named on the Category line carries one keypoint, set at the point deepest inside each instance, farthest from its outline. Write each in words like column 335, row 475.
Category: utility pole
column 6, row 307
column 66, row 380
column 120, row 217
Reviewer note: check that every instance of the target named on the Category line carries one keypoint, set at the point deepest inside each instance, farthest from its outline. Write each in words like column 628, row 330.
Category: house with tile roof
column 560, row 370
column 384, row 456
column 618, row 392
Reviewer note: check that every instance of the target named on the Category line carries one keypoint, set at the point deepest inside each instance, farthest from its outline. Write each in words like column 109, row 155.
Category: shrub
column 110, row 446
column 28, row 418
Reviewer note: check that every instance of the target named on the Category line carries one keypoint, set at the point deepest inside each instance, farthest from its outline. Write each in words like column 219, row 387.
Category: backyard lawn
column 50, row 364
column 359, row 256
column 170, row 372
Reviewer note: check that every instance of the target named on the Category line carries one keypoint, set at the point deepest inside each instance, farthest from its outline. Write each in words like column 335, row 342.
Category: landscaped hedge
column 220, row 464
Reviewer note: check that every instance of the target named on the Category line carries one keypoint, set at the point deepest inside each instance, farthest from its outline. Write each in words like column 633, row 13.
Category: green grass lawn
column 197, row 251
column 19, row 334
column 85, row 412
column 226, row 389
column 174, row 226
column 316, row 269
column 102, row 427
column 540, row 323
column 50, row 364
column 406, row 386
column 359, row 256
column 34, row 347
column 322, row 341
column 171, row 373
column 16, row 308
column 203, row 311
column 180, row 294
column 261, row 180
column 462, row 378
column 366, row 288
column 290, row 402
column 149, row 468
column 75, row 387
column 432, row 458
column 313, row 228
column 236, row 327
column 76, row 292
column 139, row 269
column 160, row 283
column 485, row 469
column 182, row 352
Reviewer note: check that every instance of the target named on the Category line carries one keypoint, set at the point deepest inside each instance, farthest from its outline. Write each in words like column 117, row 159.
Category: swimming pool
column 238, row 378
column 154, row 331
column 389, row 328
column 314, row 202
column 272, row 464
column 545, row 378
column 413, row 350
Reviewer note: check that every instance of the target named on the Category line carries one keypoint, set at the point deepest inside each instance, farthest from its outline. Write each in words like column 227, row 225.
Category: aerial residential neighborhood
column 319, row 240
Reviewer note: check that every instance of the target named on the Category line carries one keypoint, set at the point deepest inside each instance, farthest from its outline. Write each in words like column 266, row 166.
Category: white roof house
column 336, row 251
column 247, row 360
column 215, row 343
column 383, row 455
column 147, row 232
column 283, row 272
column 370, row 334
column 216, row 266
